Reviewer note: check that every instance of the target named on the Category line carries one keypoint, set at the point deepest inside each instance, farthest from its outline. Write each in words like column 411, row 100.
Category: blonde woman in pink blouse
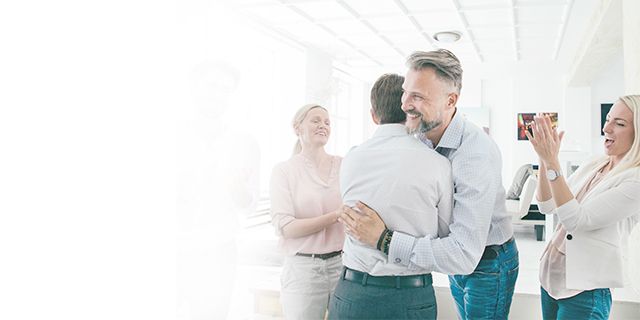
column 305, row 194
column 597, row 208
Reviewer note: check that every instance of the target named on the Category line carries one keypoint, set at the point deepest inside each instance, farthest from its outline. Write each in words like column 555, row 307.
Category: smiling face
column 315, row 128
column 618, row 131
column 426, row 101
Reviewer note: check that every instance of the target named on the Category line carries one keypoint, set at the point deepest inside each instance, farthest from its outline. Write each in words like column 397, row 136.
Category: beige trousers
column 307, row 285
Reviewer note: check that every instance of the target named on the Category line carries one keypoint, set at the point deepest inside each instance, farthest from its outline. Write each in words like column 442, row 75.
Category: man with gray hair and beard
column 479, row 255
column 412, row 188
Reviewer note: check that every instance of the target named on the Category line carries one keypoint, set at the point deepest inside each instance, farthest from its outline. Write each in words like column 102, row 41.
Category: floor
column 251, row 271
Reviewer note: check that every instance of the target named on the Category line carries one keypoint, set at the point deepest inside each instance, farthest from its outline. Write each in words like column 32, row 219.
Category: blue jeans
column 353, row 300
column 592, row 304
column 487, row 292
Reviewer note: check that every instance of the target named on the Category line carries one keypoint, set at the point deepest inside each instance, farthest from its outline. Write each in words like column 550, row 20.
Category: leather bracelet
column 387, row 242
column 381, row 239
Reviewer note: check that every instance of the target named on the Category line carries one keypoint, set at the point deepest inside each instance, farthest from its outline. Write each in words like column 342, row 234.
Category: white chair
column 520, row 208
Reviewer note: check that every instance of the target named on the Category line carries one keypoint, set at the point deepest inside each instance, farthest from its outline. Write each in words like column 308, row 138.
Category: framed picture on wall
column 525, row 119
column 604, row 111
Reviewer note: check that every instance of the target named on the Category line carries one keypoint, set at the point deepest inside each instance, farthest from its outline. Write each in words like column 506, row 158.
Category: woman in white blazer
column 597, row 208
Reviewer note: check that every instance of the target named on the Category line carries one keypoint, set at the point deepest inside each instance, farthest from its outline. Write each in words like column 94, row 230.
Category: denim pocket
column 485, row 267
column 509, row 282
column 601, row 304
column 482, row 291
column 512, row 276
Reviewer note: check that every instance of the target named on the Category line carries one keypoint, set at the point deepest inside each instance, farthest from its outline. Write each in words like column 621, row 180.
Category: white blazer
column 598, row 227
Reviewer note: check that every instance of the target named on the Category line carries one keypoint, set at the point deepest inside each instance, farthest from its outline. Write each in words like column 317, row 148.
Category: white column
column 631, row 45
column 634, row 258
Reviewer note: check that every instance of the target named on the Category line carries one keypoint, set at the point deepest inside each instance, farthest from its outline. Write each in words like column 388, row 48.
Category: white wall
column 577, row 121
column 508, row 89
column 605, row 88
column 289, row 80
column 497, row 95
column 532, row 94
column 319, row 68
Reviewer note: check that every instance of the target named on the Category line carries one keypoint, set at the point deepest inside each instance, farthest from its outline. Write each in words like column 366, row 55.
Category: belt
column 399, row 282
column 323, row 256
column 491, row 252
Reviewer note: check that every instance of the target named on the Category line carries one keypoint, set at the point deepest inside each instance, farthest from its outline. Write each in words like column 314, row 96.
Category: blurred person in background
column 218, row 180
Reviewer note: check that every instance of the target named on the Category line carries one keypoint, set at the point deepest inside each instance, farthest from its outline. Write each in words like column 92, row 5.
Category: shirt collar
column 452, row 136
column 390, row 129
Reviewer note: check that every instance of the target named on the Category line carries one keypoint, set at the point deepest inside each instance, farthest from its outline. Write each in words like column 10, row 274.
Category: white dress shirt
column 408, row 184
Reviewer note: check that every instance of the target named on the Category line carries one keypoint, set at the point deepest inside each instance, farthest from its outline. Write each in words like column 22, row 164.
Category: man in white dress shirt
column 411, row 185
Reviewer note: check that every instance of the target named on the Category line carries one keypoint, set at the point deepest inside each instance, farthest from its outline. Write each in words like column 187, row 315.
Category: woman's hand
column 546, row 142
column 546, row 139
column 366, row 227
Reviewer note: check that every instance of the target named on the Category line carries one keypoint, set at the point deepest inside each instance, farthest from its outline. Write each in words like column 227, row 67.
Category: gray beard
column 424, row 127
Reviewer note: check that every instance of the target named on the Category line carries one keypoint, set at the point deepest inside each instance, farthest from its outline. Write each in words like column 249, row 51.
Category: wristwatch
column 552, row 174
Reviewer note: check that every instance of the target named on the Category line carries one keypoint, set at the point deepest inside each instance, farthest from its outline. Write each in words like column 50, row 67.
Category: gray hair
column 444, row 62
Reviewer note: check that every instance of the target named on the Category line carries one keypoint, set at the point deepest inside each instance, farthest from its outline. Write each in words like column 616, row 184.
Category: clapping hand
column 546, row 139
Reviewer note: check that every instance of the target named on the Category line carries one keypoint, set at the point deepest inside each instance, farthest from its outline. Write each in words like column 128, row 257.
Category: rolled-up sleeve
column 282, row 211
column 547, row 207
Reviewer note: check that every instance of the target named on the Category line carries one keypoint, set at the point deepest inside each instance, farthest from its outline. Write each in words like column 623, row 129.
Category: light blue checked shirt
column 479, row 213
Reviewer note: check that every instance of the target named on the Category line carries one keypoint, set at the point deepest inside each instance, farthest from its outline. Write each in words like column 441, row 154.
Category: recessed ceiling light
column 447, row 36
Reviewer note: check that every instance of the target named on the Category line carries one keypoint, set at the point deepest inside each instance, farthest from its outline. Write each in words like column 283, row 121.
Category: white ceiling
column 382, row 33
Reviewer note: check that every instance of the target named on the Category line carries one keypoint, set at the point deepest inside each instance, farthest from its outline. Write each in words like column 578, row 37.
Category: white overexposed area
column 518, row 57
column 92, row 96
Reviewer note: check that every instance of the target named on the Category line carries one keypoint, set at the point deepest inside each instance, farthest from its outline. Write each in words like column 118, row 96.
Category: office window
column 346, row 108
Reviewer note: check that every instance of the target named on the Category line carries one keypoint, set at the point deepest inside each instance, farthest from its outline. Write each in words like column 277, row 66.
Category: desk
column 537, row 219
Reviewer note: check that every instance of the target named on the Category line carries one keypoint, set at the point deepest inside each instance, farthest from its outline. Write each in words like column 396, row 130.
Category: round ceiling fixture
column 447, row 36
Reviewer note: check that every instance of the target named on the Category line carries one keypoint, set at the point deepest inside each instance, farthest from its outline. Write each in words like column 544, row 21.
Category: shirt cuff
column 401, row 247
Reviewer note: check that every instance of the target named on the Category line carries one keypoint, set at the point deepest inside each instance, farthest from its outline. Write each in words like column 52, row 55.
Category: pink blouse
column 553, row 265
column 297, row 192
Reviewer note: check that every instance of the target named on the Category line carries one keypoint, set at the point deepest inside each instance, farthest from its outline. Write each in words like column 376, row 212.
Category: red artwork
column 525, row 119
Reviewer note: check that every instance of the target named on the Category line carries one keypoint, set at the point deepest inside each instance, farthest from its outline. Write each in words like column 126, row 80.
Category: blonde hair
column 632, row 158
column 297, row 118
